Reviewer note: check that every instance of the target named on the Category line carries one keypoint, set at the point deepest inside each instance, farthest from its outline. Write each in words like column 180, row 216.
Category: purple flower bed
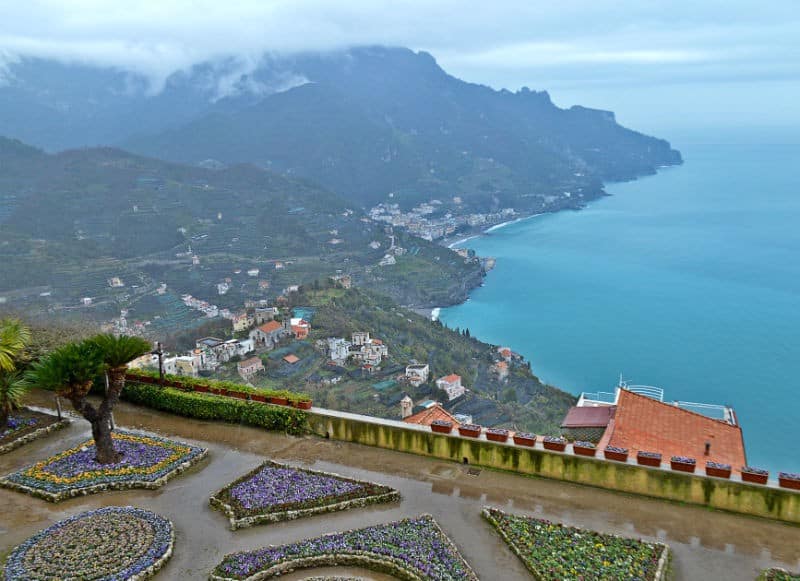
column 581, row 444
column 16, row 424
column 275, row 491
column 789, row 476
column 147, row 462
column 718, row 465
column 113, row 544
column 555, row 440
column 683, row 460
column 654, row 455
column 752, row 470
column 414, row 546
column 616, row 450
column 443, row 423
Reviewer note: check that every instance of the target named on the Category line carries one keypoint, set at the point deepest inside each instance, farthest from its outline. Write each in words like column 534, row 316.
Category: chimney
column 406, row 405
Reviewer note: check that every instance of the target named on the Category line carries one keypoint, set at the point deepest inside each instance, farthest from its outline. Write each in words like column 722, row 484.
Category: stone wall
column 730, row 495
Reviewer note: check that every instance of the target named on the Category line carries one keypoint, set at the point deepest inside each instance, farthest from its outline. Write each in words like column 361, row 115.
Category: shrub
column 210, row 407
column 192, row 382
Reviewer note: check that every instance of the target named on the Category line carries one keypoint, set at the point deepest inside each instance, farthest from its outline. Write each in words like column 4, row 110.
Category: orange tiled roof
column 428, row 415
column 451, row 378
column 642, row 423
column 291, row 358
column 270, row 327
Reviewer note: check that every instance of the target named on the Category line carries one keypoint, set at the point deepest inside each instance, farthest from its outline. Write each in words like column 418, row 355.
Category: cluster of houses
column 209, row 353
column 362, row 349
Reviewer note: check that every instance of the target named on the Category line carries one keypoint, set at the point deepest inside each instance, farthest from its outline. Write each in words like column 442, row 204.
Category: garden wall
column 734, row 496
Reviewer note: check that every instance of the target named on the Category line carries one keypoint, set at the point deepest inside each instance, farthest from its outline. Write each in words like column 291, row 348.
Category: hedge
column 182, row 380
column 211, row 407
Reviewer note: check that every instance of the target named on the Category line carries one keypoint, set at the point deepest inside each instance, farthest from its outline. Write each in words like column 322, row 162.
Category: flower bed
column 552, row 551
column 147, row 462
column 718, row 469
column 787, row 480
column 497, row 434
column 469, row 430
column 754, row 475
column 26, row 426
column 114, row 543
column 644, row 458
column 778, row 574
column 524, row 439
column 682, row 464
column 275, row 492
column 441, row 426
column 554, row 443
column 584, row 448
column 616, row 453
column 413, row 548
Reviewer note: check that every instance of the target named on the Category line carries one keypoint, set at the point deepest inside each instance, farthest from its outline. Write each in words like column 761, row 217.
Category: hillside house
column 451, row 385
column 429, row 412
column 249, row 367
column 268, row 335
column 338, row 350
column 417, row 374
column 300, row 328
column 501, row 370
column 242, row 321
column 265, row 314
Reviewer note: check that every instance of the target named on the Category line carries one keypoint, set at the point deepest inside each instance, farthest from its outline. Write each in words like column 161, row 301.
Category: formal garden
column 275, row 492
column 553, row 551
column 412, row 548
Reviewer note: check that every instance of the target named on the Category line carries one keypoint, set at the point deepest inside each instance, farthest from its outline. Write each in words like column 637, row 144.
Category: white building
column 338, row 349
column 418, row 374
column 451, row 385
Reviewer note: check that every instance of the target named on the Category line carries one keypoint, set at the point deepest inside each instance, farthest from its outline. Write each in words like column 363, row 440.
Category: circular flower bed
column 552, row 551
column 274, row 492
column 147, row 462
column 114, row 543
column 414, row 548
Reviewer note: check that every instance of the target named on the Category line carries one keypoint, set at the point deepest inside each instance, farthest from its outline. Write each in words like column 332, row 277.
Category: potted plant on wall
column 616, row 453
column 278, row 399
column 524, row 439
column 497, row 434
column 789, row 480
column 682, row 464
column 302, row 404
column 718, row 469
column 644, row 458
column 469, row 430
column 555, row 443
column 754, row 475
column 584, row 448
column 442, row 426
column 259, row 397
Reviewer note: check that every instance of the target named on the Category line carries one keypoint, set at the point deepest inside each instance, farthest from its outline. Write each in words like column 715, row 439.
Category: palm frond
column 14, row 336
column 68, row 366
column 116, row 351
column 13, row 388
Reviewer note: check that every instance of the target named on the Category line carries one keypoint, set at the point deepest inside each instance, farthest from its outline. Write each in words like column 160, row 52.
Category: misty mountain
column 364, row 123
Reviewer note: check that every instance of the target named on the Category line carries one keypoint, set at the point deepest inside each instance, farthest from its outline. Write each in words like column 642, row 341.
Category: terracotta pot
column 277, row 400
column 718, row 472
column 616, row 456
column 302, row 404
column 554, row 446
column 789, row 483
column 755, row 478
column 682, row 466
column 257, row 397
column 444, row 428
column 470, row 431
column 237, row 394
column 648, row 461
column 201, row 388
column 584, row 451
column 497, row 436
column 524, row 440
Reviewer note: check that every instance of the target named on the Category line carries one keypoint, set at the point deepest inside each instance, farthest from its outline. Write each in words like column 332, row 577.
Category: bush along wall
column 211, row 407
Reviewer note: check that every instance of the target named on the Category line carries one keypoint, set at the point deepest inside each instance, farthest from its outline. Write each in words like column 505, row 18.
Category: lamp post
column 158, row 351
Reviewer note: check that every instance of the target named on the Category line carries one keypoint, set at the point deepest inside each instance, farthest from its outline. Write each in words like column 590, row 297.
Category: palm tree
column 14, row 336
column 13, row 388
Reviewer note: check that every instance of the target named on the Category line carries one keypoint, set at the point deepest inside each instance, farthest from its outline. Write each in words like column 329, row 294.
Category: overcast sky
column 662, row 66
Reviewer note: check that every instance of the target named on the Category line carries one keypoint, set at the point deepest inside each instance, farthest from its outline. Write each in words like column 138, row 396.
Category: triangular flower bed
column 552, row 551
column 147, row 462
column 413, row 548
column 276, row 492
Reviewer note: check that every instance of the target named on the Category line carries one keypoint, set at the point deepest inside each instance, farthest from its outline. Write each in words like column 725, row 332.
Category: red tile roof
column 588, row 417
column 270, row 327
column 291, row 358
column 428, row 415
column 451, row 378
column 642, row 423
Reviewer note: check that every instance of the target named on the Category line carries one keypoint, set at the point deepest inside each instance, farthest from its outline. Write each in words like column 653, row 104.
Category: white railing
column 647, row 391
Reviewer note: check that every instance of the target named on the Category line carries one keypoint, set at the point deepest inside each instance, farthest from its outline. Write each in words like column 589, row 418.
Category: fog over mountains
column 365, row 123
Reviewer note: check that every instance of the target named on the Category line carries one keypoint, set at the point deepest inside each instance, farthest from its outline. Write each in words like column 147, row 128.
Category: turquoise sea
column 688, row 280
